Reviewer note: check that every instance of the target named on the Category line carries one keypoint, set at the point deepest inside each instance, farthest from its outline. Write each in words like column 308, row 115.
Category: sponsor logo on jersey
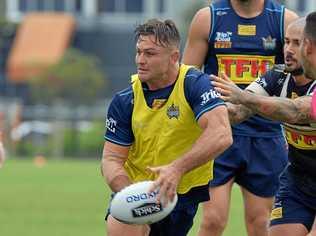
column 276, row 213
column 301, row 139
column 221, row 13
column 146, row 209
column 110, row 124
column 173, row 112
column 158, row 103
column 269, row 43
column 247, row 30
column 223, row 40
column 207, row 96
column 262, row 82
column 244, row 69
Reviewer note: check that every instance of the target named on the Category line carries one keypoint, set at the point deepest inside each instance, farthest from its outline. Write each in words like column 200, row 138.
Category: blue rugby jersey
column 302, row 142
column 199, row 93
column 245, row 48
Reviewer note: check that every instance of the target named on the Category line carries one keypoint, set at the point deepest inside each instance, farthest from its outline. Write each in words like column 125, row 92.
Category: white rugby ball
column 135, row 205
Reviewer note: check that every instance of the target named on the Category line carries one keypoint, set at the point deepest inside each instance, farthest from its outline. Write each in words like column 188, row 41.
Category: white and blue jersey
column 295, row 201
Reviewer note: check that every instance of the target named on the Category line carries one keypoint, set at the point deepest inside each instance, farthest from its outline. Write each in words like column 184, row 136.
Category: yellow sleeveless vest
column 163, row 135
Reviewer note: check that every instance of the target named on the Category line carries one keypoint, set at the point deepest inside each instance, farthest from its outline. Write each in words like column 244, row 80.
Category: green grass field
column 66, row 198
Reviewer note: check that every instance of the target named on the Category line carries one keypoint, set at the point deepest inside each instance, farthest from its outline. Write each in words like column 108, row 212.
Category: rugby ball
column 135, row 205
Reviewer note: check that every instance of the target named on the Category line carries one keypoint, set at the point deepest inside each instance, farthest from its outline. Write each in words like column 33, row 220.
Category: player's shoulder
column 220, row 5
column 289, row 16
column 124, row 96
column 278, row 70
column 203, row 15
column 194, row 75
column 277, row 73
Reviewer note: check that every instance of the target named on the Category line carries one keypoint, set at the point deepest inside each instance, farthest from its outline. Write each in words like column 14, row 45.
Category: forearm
column 238, row 113
column 114, row 173
column 211, row 143
column 294, row 111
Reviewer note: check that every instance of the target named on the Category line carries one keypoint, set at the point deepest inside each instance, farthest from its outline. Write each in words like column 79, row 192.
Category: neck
column 301, row 80
column 248, row 9
column 165, row 80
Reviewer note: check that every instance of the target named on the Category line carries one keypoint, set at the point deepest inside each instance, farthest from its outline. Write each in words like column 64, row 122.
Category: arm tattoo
column 294, row 111
column 239, row 113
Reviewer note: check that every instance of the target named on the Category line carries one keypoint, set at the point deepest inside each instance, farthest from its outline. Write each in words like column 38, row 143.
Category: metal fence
column 54, row 131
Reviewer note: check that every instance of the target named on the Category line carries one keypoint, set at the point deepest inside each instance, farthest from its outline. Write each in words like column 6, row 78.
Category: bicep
column 196, row 47
column 215, row 119
column 115, row 152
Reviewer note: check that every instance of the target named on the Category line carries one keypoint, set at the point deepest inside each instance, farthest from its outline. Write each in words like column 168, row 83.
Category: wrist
column 178, row 167
column 245, row 97
column 118, row 182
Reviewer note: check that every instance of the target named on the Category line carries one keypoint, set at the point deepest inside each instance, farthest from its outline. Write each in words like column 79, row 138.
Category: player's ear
column 308, row 46
column 175, row 56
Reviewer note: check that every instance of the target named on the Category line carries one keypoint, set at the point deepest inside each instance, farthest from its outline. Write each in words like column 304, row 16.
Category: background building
column 105, row 28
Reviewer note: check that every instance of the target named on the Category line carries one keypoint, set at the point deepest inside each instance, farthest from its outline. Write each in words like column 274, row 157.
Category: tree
column 76, row 79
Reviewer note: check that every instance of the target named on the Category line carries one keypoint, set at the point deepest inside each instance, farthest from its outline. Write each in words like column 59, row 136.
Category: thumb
column 153, row 169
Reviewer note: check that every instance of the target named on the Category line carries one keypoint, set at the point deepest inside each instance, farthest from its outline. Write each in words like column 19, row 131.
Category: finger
column 171, row 193
column 214, row 77
column 219, row 85
column 224, row 76
column 223, row 91
column 152, row 169
column 161, row 197
column 225, row 98
column 154, row 187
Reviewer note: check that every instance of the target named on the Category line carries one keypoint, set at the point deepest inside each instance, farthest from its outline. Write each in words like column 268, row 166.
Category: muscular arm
column 112, row 166
column 293, row 111
column 197, row 42
column 216, row 138
column 238, row 113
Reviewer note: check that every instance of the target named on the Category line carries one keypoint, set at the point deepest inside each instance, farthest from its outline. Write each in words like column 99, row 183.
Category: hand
column 167, row 182
column 229, row 91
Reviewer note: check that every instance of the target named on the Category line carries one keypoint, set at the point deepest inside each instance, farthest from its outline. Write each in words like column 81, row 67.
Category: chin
column 289, row 68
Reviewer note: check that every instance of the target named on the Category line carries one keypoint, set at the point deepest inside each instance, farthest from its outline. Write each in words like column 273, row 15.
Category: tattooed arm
column 238, row 113
column 294, row 111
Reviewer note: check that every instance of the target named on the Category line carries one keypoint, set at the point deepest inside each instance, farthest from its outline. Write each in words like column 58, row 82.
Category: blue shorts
column 292, row 205
column 255, row 163
column 180, row 220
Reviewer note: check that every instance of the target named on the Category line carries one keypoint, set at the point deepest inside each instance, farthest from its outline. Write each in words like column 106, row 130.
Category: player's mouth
column 289, row 60
column 142, row 71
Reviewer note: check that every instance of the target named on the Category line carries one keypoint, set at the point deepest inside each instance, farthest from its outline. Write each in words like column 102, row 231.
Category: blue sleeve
column 118, row 121
column 200, row 93
column 271, row 82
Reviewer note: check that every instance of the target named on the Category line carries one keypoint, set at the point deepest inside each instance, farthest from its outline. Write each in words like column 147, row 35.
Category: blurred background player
column 242, row 38
column 160, row 129
column 2, row 153
column 294, row 208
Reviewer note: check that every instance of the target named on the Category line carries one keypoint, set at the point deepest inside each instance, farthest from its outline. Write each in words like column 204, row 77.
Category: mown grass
column 66, row 198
